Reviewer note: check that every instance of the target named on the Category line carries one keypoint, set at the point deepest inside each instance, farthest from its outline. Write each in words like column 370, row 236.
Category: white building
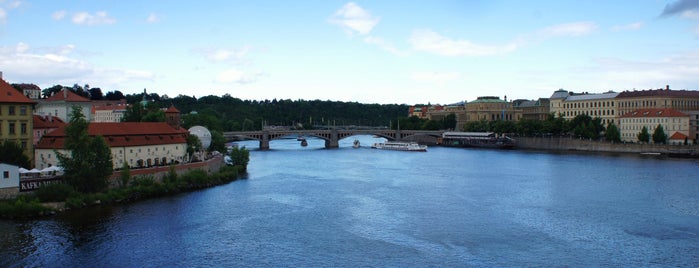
column 9, row 180
column 674, row 123
column 61, row 105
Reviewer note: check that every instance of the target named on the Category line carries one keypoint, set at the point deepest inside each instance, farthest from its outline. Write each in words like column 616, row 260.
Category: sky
column 402, row 52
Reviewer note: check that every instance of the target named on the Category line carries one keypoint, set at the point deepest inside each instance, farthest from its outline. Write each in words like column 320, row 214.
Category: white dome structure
column 203, row 134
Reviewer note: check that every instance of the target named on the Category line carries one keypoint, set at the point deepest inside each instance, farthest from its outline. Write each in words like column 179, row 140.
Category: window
column 11, row 128
column 22, row 110
column 5, row 174
column 23, row 128
column 24, row 144
column 11, row 110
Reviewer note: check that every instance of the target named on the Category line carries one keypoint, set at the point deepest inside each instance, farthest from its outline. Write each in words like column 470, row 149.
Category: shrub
column 56, row 192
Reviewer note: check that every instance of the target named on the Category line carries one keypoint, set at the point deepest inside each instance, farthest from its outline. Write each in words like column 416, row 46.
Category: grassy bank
column 54, row 198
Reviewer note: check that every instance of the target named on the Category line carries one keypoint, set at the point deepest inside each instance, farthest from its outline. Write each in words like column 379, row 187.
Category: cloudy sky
column 365, row 51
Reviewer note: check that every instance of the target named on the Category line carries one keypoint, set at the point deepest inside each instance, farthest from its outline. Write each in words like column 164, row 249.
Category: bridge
column 331, row 136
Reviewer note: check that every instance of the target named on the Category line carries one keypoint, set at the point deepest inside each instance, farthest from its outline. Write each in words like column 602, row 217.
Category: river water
column 309, row 206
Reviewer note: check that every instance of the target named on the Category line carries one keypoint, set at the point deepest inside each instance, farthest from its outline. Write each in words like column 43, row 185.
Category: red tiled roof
column 678, row 136
column 660, row 93
column 69, row 96
column 122, row 134
column 172, row 109
column 654, row 112
column 9, row 94
column 47, row 122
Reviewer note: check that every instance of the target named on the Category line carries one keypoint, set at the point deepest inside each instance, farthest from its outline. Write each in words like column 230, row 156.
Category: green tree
column 193, row 145
column 449, row 121
column 12, row 153
column 612, row 134
column 644, row 136
column 218, row 142
column 125, row 175
column 240, row 157
column 659, row 135
column 89, row 162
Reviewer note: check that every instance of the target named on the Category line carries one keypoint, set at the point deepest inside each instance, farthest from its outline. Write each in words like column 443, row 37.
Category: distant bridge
column 331, row 136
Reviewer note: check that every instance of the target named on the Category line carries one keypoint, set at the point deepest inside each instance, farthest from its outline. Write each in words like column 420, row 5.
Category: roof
column 586, row 97
column 67, row 96
column 25, row 86
column 172, row 109
column 9, row 94
column 678, row 136
column 488, row 99
column 47, row 122
column 560, row 94
column 660, row 93
column 654, row 112
column 122, row 134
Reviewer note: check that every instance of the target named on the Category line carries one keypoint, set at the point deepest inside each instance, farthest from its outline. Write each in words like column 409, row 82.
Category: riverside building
column 675, row 124
column 16, row 115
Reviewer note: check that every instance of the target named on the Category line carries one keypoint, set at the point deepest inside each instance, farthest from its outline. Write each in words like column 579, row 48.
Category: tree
column 644, row 136
column 48, row 92
column 612, row 133
column 659, row 135
column 89, row 162
column 449, row 121
column 115, row 95
column 240, row 157
column 193, row 145
column 218, row 142
column 95, row 93
column 13, row 154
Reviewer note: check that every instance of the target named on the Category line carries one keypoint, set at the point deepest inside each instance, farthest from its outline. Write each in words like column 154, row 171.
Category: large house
column 138, row 144
column 45, row 124
column 16, row 118
column 674, row 123
column 61, row 105
column 9, row 180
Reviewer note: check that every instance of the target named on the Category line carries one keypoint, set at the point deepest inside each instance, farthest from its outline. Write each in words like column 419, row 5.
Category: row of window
column 11, row 110
column 12, row 128
column 593, row 113
column 595, row 104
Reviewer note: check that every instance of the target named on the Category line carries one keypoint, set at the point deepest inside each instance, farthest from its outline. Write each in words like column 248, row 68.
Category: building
column 139, row 144
column 533, row 109
column 487, row 108
column 172, row 117
column 61, row 105
column 9, row 180
column 45, row 124
column 32, row 91
column 423, row 112
column 108, row 113
column 685, row 101
column 16, row 112
column 674, row 123
column 569, row 105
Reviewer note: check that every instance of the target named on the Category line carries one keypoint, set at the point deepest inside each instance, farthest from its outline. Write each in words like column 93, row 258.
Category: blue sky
column 408, row 52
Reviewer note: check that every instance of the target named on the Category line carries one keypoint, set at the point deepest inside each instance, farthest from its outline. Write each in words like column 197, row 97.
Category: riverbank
column 56, row 198
column 585, row 145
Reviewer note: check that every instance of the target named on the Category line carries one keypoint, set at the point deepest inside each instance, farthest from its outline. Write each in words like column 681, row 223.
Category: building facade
column 674, row 123
column 533, row 109
column 108, row 113
column 61, row 105
column 569, row 105
column 16, row 115
column 45, row 124
column 138, row 144
column 685, row 101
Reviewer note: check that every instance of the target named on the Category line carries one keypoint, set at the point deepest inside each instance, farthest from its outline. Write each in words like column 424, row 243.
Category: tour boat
column 356, row 144
column 400, row 146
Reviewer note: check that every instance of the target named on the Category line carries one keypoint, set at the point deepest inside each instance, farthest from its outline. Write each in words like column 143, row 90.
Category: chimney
column 0, row 75
column 667, row 87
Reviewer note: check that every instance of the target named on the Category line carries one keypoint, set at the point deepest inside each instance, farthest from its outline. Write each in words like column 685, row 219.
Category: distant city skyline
column 404, row 52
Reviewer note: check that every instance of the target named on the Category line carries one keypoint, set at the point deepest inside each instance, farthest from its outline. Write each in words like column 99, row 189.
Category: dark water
column 363, row 207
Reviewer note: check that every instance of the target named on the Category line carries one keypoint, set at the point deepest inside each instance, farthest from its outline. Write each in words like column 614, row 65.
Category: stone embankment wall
column 211, row 165
column 576, row 144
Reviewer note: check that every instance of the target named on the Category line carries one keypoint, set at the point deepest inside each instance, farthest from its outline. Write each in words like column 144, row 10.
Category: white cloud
column 435, row 77
column 432, row 42
column 384, row 45
column 99, row 18
column 569, row 29
column 628, row 27
column 680, row 70
column 237, row 76
column 153, row 18
column 57, row 65
column 354, row 19
column 59, row 15
column 235, row 56
column 3, row 15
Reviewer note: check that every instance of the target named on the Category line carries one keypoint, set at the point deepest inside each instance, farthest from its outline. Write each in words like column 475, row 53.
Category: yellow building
column 674, row 123
column 569, row 105
column 16, row 116
column 684, row 101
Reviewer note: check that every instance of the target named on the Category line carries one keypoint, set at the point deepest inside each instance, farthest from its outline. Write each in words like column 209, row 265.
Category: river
column 309, row 206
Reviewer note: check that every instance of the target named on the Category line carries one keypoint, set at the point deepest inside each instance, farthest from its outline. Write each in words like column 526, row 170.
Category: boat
column 400, row 146
column 304, row 143
column 476, row 139
column 356, row 144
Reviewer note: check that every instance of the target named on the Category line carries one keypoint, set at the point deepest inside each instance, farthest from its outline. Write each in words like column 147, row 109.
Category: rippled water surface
column 362, row 207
